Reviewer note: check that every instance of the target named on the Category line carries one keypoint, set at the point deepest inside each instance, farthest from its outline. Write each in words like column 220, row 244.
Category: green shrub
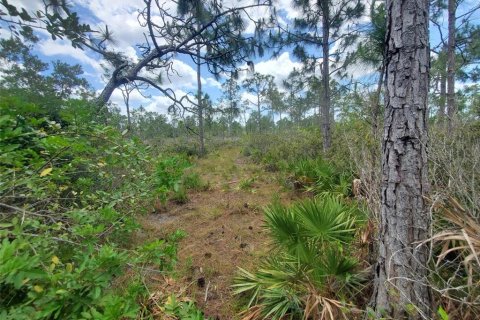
column 168, row 175
column 182, row 309
column 276, row 150
column 69, row 195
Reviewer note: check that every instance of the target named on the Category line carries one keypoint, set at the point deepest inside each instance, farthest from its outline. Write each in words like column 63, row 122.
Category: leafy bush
column 69, row 194
column 312, row 272
column 37, row 284
column 168, row 175
column 277, row 150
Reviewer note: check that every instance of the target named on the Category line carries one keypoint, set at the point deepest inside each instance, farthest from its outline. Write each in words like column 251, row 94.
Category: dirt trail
column 224, row 226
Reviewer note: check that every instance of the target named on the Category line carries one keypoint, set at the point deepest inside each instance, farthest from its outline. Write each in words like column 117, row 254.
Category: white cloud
column 211, row 82
column 183, row 76
column 251, row 98
column 63, row 48
column 279, row 68
column 286, row 8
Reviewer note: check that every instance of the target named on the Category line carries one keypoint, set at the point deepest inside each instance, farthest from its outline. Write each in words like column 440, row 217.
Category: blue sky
column 121, row 17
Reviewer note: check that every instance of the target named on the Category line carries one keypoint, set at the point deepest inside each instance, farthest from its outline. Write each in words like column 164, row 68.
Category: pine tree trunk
column 401, row 290
column 326, row 130
column 443, row 97
column 376, row 105
column 201, row 129
column 107, row 92
column 451, row 103
column 259, row 111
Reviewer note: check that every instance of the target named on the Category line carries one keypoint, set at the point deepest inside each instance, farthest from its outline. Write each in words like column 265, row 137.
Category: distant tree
column 371, row 51
column 35, row 80
column 198, row 12
column 20, row 68
column 438, row 82
column 460, row 49
column 400, row 288
column 255, row 118
column 66, row 79
column 245, row 106
column 276, row 99
column 294, row 85
column 258, row 84
column 209, row 111
column 324, row 25
column 230, row 101
column 149, row 125
column 126, row 90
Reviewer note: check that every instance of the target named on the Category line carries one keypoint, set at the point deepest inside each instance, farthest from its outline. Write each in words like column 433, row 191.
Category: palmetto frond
column 311, row 223
column 326, row 218
column 282, row 224
column 459, row 244
column 320, row 176
column 311, row 264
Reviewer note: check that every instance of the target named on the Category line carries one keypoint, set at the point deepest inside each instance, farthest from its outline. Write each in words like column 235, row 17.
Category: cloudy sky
column 121, row 16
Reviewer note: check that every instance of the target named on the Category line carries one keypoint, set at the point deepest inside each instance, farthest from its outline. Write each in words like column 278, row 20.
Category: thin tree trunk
column 126, row 99
column 400, row 287
column 201, row 129
column 443, row 97
column 451, row 103
column 376, row 105
column 327, row 139
column 129, row 121
column 259, row 112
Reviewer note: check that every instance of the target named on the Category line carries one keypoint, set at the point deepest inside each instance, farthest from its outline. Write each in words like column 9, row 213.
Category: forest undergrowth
column 224, row 222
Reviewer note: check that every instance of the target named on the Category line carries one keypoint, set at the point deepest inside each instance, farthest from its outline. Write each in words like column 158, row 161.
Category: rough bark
column 401, row 290
column 325, row 105
column 451, row 103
